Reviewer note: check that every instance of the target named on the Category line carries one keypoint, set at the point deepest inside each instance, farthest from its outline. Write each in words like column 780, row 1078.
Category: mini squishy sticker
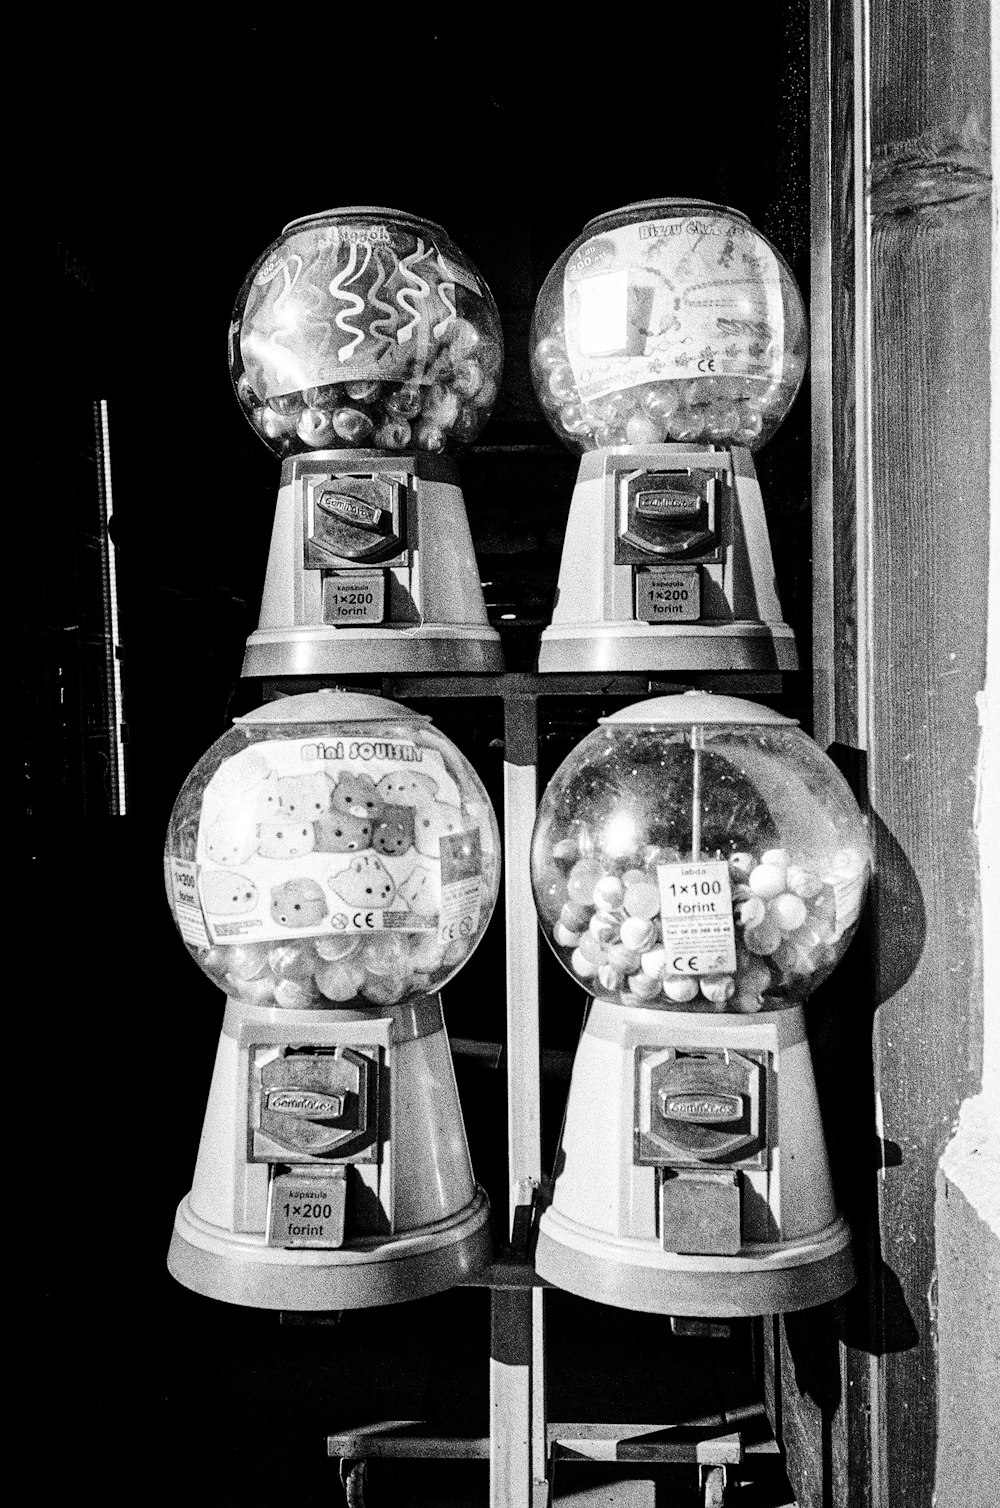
column 407, row 788
column 286, row 840
column 231, row 838
column 298, row 903
column 393, row 833
column 433, row 822
column 356, row 796
column 339, row 832
column 305, row 797
column 421, row 890
column 225, row 893
column 365, row 884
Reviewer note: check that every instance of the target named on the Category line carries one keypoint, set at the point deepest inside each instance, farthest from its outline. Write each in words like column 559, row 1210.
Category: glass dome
column 668, row 321
column 332, row 850
column 699, row 853
column 365, row 328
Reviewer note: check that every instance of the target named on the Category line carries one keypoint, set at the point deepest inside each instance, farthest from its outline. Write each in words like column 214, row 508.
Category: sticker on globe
column 461, row 884
column 696, row 911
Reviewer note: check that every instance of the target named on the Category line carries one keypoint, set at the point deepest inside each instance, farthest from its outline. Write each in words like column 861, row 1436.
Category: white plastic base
column 373, row 650
column 639, row 1275
column 241, row 1269
column 646, row 646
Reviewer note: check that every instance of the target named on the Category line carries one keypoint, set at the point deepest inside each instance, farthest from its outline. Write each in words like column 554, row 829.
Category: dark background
column 161, row 163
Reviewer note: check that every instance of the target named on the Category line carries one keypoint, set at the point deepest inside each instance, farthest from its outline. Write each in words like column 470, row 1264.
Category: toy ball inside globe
column 699, row 853
column 668, row 321
column 365, row 328
column 330, row 851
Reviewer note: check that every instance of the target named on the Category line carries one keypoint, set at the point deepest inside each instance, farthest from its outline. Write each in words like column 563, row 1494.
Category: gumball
column 405, row 402
column 275, row 425
column 803, row 882
column 718, row 988
column 245, row 392
column 585, row 967
column 763, row 939
column 751, row 912
column 247, row 960
column 643, row 986
column 461, row 336
column 637, row 932
column 363, row 392
column 642, row 899
column 610, row 978
column 626, row 960
column 680, row 987
column 608, row 892
column 334, row 946
column 286, row 403
column 642, row 430
column 591, row 947
column 315, row 429
column 429, row 437
column 788, row 910
column 581, row 881
column 573, row 916
column 550, row 353
column 654, row 962
column 564, row 937
column 394, row 434
column 604, row 927
column 467, row 378
column 293, row 994
column 562, row 383
column 339, row 981
column 440, row 406
column 766, row 880
column 330, row 396
column 353, row 426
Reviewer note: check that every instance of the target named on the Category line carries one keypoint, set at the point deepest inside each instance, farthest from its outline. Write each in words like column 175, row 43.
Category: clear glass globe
column 699, row 853
column 332, row 850
column 365, row 328
column 668, row 321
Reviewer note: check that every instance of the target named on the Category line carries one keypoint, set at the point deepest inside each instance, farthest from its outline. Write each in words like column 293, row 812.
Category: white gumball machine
column 366, row 349
column 699, row 866
column 331, row 862
column 668, row 343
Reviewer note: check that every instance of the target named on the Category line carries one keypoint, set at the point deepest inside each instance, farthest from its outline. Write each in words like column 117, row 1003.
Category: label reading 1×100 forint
column 696, row 909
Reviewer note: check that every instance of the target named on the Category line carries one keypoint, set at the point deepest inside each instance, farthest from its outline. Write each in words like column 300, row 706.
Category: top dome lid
column 330, row 707
column 657, row 208
column 688, row 707
column 363, row 212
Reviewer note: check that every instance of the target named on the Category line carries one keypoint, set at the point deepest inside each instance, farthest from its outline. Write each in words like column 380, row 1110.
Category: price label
column 696, row 909
column 307, row 1211
column 354, row 599
column 668, row 594
column 461, row 885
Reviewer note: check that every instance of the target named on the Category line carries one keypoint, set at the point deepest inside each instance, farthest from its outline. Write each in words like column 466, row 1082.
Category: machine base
column 241, row 1269
column 673, row 646
column 372, row 650
column 634, row 1275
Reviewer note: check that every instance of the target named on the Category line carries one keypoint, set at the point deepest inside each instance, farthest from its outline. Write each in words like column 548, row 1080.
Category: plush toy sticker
column 286, row 840
column 432, row 822
column 365, row 883
column 337, row 832
column 227, row 894
column 356, row 796
column 231, row 838
column 298, row 903
column 407, row 788
column 421, row 890
column 306, row 797
column 393, row 833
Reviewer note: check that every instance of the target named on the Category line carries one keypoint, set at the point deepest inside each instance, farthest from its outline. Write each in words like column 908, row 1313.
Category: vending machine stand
column 524, row 1448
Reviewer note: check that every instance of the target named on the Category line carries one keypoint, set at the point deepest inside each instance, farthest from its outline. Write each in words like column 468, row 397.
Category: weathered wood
column 900, row 100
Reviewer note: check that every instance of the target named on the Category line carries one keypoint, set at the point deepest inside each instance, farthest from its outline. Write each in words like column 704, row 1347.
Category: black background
column 161, row 160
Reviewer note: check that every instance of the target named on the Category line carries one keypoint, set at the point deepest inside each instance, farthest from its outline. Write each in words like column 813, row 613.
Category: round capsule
column 329, row 396
column 429, row 437
column 584, row 967
column 293, row 994
column 353, row 426
column 608, row 892
column 405, row 401
column 751, row 912
column 363, row 392
column 287, row 403
column 654, row 962
column 788, row 910
column 573, row 916
column 550, row 353
column 394, row 434
column 642, row 430
column 766, row 880
column 717, row 988
column 440, row 406
column 680, row 987
column 581, row 880
column 564, row 936
column 562, row 384
column 339, row 981
column 764, row 939
column 335, row 946
column 643, row 985
column 604, row 927
column 642, row 899
column 315, row 429
column 638, row 933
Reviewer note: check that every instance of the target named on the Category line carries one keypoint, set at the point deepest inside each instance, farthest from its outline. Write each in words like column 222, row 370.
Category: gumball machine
column 667, row 345
column 331, row 862
column 699, row 866
column 365, row 350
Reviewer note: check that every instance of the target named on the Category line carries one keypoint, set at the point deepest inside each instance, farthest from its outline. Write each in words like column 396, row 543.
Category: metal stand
column 523, row 1448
